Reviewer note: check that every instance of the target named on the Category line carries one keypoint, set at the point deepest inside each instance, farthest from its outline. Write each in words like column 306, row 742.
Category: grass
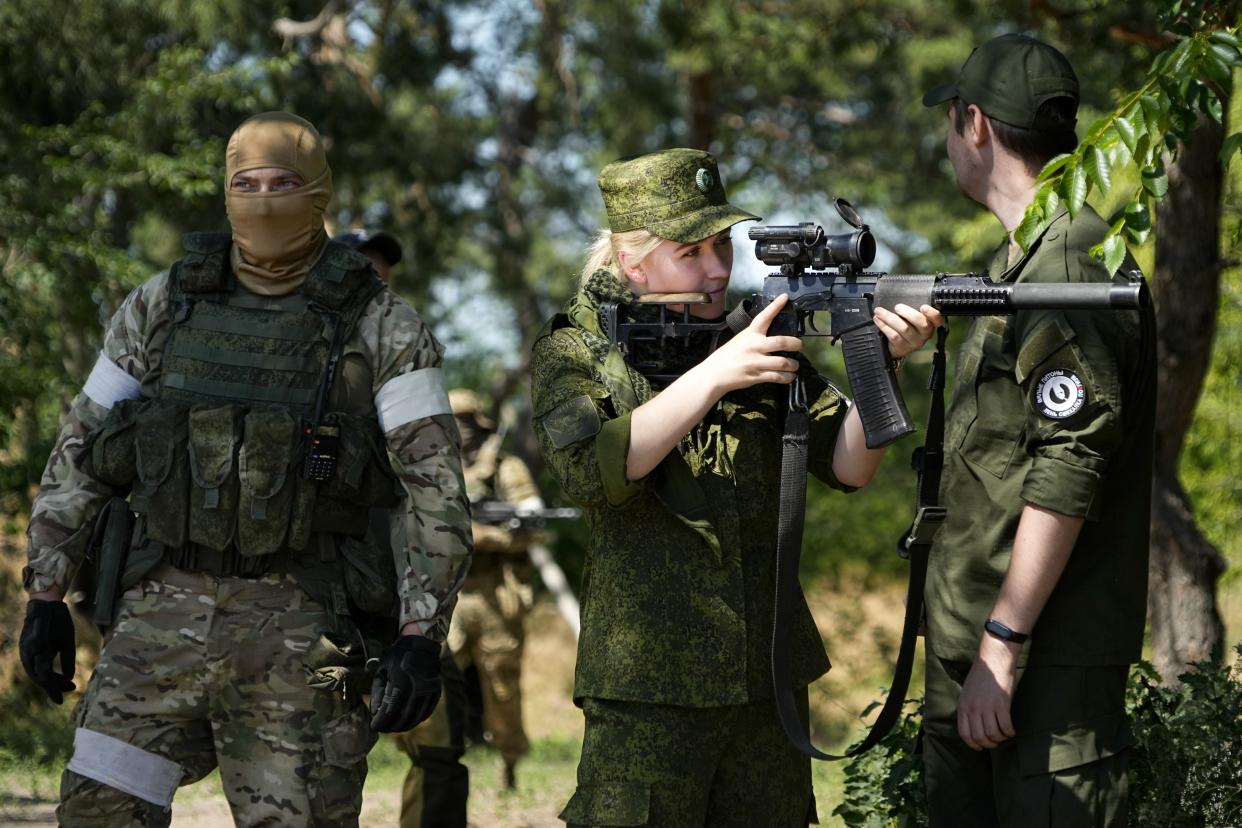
column 859, row 618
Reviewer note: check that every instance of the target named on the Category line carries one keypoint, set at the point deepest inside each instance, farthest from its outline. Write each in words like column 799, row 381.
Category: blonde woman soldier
column 680, row 488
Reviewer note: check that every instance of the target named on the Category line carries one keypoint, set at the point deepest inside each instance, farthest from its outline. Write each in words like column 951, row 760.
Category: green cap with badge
column 676, row 194
column 1009, row 77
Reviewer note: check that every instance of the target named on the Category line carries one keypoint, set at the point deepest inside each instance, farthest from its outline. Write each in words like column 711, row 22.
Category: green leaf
column 1210, row 104
column 1136, row 117
column 1231, row 145
column 1125, row 131
column 1179, row 56
column 1096, row 163
column 1096, row 130
column 1215, row 68
column 1049, row 202
column 1225, row 37
column 1032, row 225
column 1153, row 113
column 1074, row 187
column 1138, row 221
column 1114, row 251
column 1053, row 167
column 1156, row 182
column 1227, row 54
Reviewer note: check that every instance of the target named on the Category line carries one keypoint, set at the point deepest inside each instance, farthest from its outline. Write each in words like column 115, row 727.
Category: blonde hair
column 603, row 251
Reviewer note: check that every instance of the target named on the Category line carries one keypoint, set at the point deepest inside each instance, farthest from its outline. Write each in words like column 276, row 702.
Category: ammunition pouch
column 215, row 483
column 356, row 583
column 342, row 664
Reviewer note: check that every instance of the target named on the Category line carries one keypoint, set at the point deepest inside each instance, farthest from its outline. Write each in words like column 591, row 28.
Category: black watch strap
column 998, row 630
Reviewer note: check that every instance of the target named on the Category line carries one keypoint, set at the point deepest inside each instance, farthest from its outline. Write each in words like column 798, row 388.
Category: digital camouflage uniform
column 488, row 633
column 674, row 668
column 248, row 672
column 1055, row 409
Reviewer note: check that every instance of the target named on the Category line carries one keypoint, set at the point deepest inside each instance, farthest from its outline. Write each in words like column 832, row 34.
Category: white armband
column 108, row 383
column 411, row 397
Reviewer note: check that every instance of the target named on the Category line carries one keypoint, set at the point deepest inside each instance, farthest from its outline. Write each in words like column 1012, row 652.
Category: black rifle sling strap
column 914, row 545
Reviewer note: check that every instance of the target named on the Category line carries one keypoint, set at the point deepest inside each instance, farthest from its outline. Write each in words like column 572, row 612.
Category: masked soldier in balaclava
column 253, row 404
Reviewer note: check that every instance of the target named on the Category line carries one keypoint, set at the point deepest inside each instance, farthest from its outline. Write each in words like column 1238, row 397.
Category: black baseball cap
column 381, row 242
column 1009, row 77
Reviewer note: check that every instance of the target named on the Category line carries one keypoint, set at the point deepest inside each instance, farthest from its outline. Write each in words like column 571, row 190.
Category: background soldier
column 1047, row 481
column 383, row 250
column 487, row 635
column 250, row 398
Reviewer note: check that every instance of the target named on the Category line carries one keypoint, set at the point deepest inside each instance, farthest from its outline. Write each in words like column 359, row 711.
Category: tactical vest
column 238, row 462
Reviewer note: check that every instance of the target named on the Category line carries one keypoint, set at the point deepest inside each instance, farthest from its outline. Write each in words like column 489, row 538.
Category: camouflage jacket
column 678, row 586
column 430, row 529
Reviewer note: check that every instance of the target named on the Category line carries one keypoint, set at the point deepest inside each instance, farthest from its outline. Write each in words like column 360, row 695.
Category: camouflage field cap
column 677, row 194
column 1009, row 77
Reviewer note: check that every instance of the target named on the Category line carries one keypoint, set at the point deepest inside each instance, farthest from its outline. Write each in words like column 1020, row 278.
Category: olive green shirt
column 678, row 587
column 1055, row 409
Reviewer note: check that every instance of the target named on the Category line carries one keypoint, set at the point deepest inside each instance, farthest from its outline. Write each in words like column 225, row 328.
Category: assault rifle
column 496, row 513
column 826, row 273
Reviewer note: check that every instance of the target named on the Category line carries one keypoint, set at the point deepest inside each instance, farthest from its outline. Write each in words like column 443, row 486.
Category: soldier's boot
column 436, row 789
column 85, row 803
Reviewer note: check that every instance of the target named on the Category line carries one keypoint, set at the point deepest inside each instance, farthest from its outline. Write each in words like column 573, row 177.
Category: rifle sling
column 914, row 545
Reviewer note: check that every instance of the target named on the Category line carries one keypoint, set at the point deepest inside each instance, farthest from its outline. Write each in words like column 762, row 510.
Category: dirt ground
column 860, row 624
column 861, row 633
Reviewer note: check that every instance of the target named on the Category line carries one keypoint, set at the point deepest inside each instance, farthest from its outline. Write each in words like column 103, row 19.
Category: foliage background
column 472, row 130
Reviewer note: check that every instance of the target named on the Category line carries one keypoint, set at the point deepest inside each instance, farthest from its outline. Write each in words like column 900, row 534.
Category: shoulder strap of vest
column 342, row 280
column 205, row 266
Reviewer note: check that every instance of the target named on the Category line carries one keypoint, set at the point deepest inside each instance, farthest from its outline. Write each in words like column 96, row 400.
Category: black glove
column 48, row 632
column 407, row 686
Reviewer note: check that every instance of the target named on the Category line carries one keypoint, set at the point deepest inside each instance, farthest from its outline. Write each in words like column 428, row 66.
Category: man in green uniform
column 488, row 632
column 255, row 402
column 1036, row 593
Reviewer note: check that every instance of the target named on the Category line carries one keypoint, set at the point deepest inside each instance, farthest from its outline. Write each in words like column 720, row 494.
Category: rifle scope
column 806, row 245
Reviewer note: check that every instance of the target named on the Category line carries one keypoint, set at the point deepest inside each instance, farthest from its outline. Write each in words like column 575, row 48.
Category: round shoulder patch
column 1059, row 394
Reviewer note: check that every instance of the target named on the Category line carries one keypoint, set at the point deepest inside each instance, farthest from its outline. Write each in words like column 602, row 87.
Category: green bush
column 1186, row 769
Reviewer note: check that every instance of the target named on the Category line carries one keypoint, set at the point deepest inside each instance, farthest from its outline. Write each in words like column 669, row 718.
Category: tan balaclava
column 277, row 236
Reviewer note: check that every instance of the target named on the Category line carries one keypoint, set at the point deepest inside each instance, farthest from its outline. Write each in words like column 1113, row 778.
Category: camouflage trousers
column 659, row 765
column 200, row 672
column 1065, row 767
column 488, row 632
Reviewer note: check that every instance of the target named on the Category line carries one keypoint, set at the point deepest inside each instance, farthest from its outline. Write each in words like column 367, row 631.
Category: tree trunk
column 702, row 111
column 1185, row 623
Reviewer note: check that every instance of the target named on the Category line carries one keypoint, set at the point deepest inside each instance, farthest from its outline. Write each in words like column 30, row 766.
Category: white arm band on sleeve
column 123, row 766
column 411, row 397
column 108, row 383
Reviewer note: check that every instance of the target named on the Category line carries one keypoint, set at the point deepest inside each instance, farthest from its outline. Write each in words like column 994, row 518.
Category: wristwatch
column 996, row 629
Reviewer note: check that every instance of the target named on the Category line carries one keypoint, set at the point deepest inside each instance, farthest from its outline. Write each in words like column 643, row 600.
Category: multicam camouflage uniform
column 674, row 671
column 246, row 673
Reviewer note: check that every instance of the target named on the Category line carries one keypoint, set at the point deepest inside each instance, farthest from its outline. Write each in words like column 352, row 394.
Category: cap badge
column 703, row 179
